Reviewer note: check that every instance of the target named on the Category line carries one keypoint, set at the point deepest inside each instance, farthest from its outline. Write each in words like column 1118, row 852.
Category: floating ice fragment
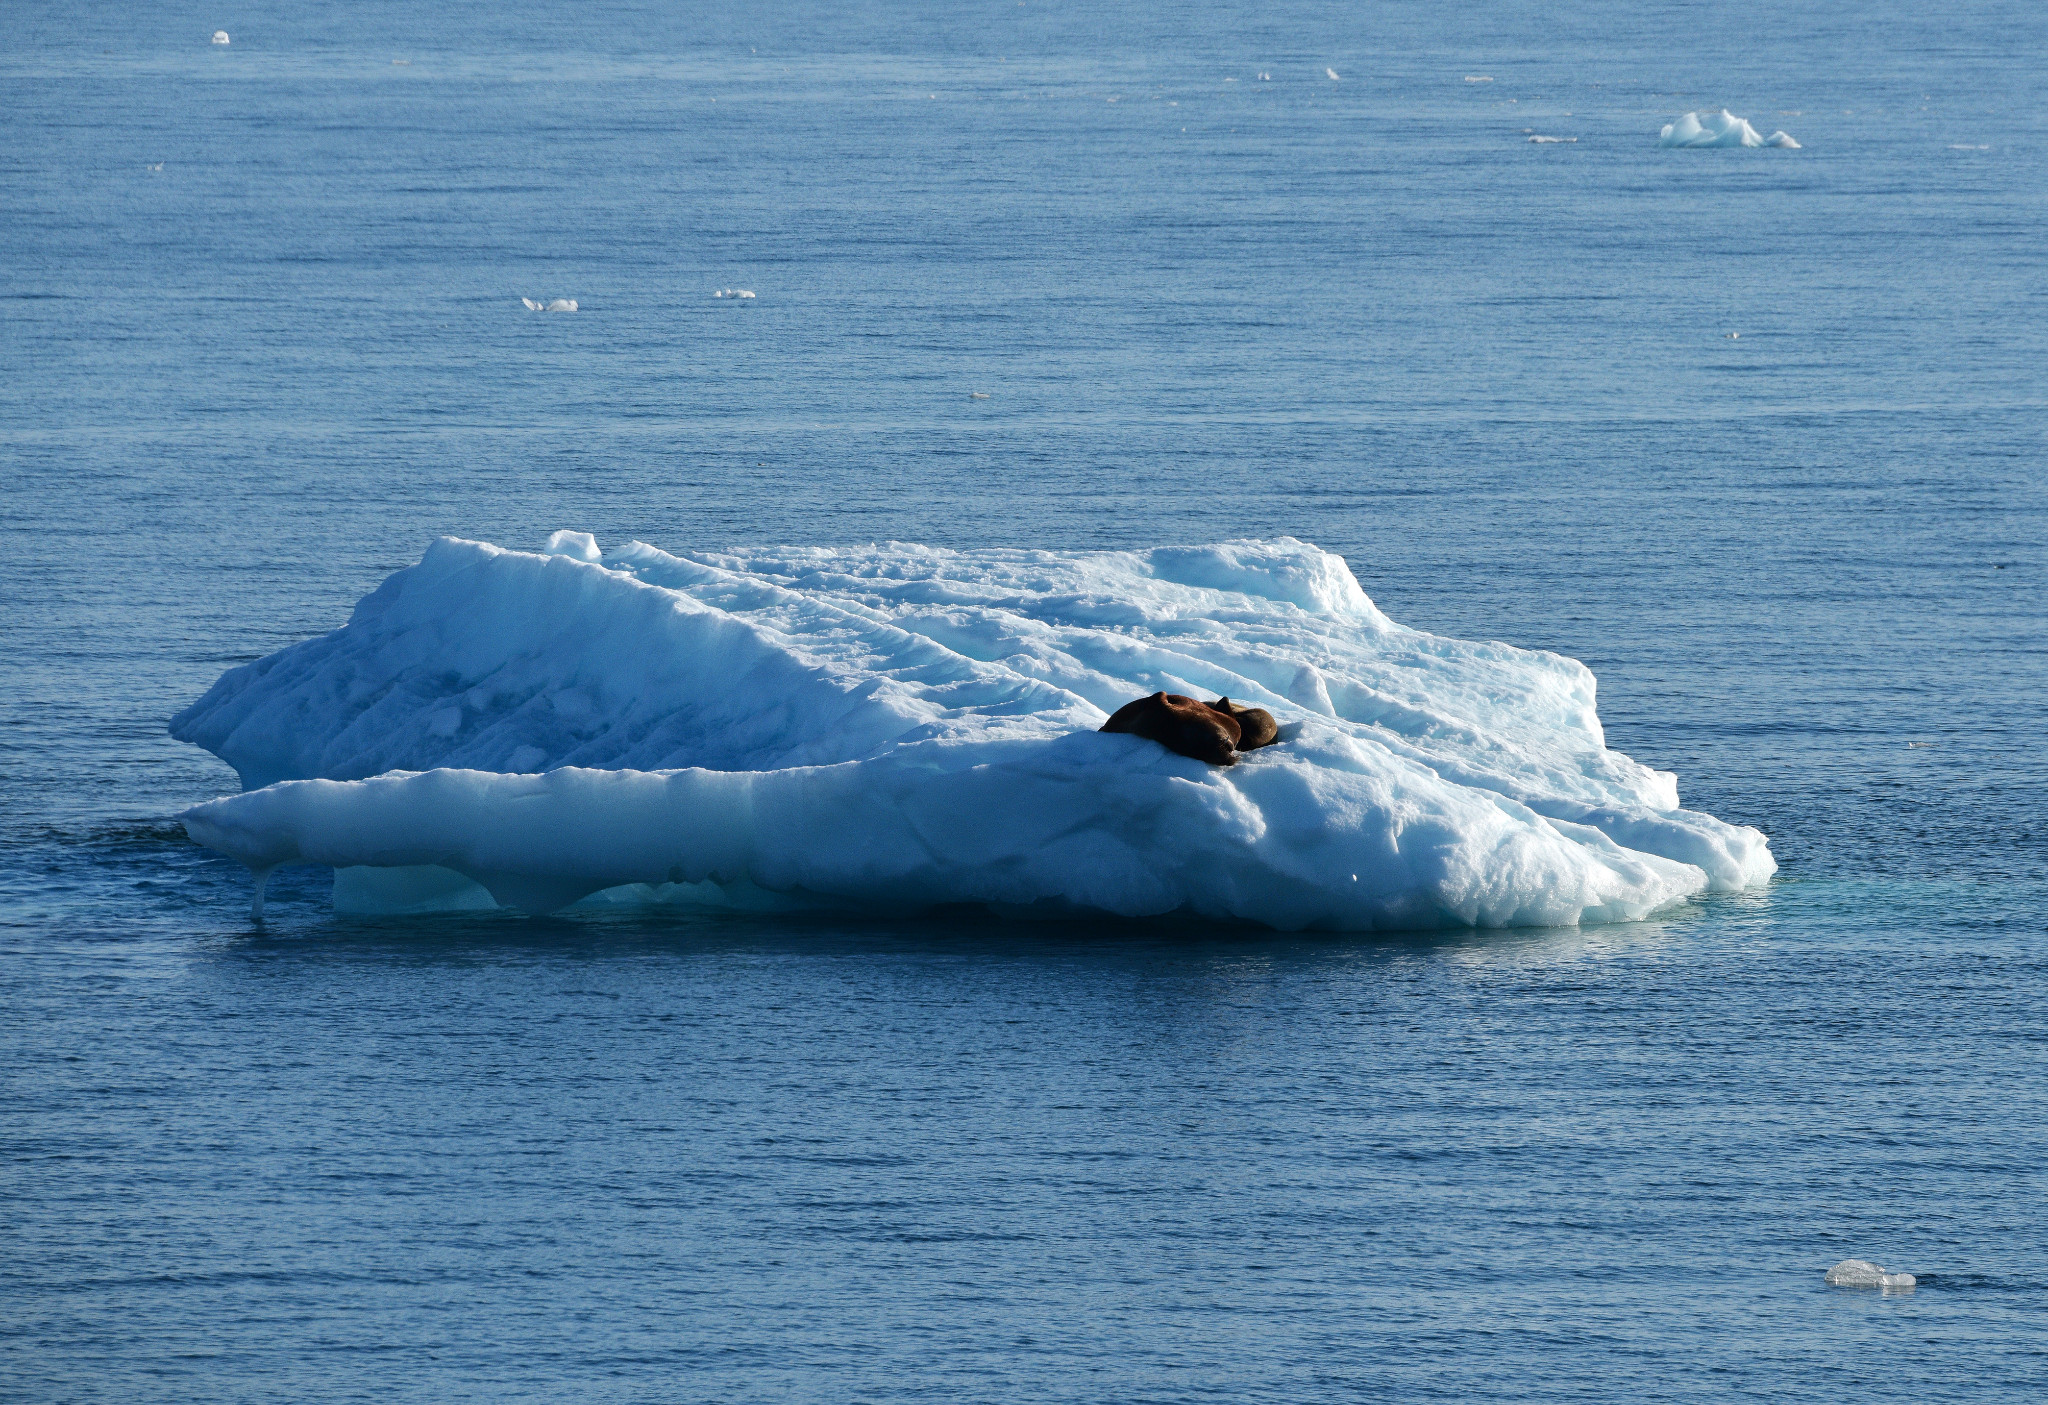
column 1862, row 1273
column 220, row 36
column 557, row 305
column 903, row 726
column 1553, row 141
column 1333, row 75
column 1721, row 128
column 1265, row 77
column 733, row 293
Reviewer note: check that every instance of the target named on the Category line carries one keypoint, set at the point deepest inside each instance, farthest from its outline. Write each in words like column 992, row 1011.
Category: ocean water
column 1759, row 435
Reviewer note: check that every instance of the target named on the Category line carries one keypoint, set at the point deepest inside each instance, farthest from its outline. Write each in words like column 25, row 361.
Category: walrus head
column 1256, row 726
column 1182, row 725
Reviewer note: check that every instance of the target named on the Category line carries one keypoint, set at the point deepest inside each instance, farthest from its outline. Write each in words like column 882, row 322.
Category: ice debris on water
column 733, row 293
column 901, row 726
column 220, row 36
column 547, row 305
column 1862, row 1273
column 1723, row 128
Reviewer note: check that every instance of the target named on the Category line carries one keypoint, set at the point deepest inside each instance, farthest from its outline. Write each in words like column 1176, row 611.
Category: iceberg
column 1721, row 128
column 898, row 727
column 1862, row 1273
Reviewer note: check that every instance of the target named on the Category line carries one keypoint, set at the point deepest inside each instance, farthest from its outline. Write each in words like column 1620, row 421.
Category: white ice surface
column 1721, row 128
column 1862, row 1273
column 899, row 726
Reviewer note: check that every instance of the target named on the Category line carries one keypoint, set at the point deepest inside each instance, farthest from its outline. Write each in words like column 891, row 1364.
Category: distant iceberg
column 1862, row 1273
column 897, row 727
column 1721, row 128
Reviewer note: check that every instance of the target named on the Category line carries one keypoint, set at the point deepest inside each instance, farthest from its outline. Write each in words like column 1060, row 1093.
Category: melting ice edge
column 898, row 727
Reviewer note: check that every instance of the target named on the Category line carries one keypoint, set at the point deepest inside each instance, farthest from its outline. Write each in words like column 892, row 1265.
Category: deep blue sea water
column 261, row 340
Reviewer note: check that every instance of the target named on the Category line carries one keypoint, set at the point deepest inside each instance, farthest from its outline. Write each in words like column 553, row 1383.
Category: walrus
column 1255, row 725
column 1181, row 724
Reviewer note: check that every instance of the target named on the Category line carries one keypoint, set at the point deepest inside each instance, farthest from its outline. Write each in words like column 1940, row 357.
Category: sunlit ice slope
column 898, row 726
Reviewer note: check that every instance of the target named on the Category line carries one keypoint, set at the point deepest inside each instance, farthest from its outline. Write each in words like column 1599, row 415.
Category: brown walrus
column 1180, row 724
column 1255, row 725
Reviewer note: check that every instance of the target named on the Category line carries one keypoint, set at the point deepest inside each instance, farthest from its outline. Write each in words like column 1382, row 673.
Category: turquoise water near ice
column 954, row 1158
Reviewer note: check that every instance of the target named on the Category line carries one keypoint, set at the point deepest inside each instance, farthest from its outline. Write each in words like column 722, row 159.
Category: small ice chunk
column 1862, row 1273
column 1333, row 75
column 220, row 36
column 578, row 546
column 733, row 293
column 1723, row 128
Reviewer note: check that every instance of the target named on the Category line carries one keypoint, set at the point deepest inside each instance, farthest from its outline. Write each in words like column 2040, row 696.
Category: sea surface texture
column 1757, row 433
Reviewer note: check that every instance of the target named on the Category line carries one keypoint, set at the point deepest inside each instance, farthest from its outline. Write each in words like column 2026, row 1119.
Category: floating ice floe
column 898, row 727
column 1721, row 128
column 733, row 293
column 1862, row 1273
column 547, row 305
column 220, row 36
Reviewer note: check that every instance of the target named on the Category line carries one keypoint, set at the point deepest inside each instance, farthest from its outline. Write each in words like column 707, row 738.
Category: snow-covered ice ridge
column 901, row 726
column 1721, row 128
